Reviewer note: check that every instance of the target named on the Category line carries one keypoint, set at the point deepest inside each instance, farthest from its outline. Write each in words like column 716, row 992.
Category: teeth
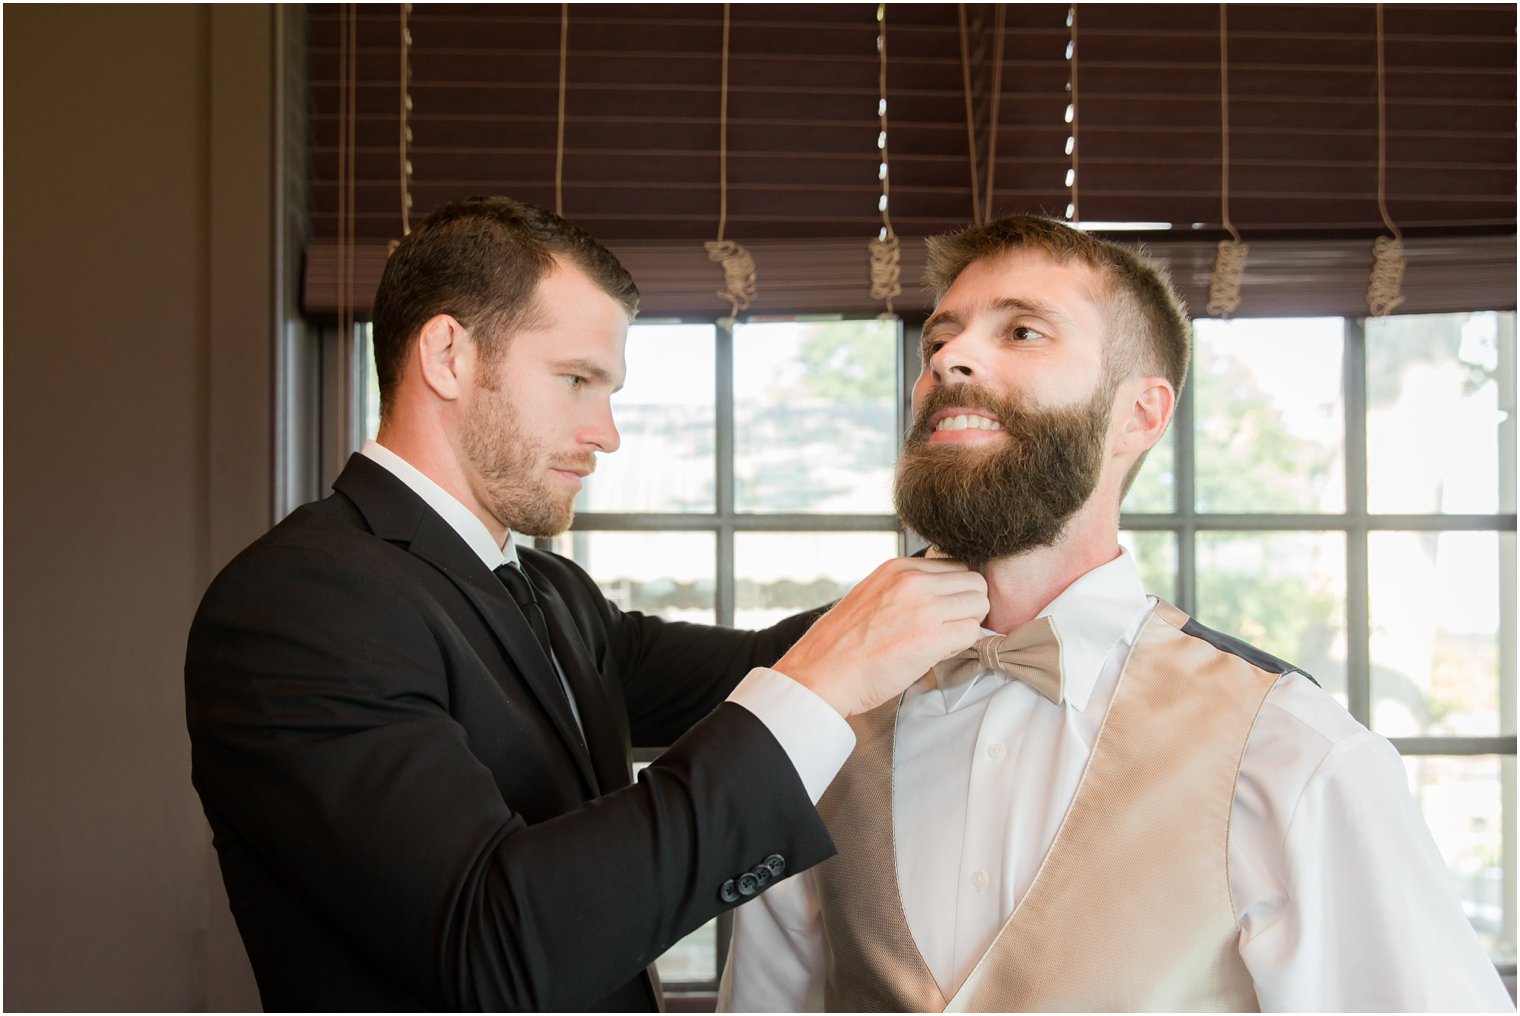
column 967, row 423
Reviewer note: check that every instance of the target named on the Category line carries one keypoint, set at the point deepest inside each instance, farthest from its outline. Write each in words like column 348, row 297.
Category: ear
column 1146, row 408
column 445, row 356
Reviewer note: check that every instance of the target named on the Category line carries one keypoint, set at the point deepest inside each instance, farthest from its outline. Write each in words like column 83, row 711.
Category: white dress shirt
column 815, row 738
column 1342, row 898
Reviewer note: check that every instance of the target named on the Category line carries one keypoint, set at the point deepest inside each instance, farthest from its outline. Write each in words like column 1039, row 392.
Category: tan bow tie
column 1030, row 653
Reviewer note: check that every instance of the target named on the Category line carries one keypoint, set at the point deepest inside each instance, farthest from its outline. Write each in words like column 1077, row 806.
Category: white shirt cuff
column 813, row 735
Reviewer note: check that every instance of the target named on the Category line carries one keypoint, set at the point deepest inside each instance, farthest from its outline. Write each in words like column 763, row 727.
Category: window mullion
column 724, row 592
column 1184, row 446
column 1358, row 623
column 908, row 361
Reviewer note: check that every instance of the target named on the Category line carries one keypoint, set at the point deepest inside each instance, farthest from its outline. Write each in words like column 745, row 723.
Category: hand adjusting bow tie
column 1030, row 653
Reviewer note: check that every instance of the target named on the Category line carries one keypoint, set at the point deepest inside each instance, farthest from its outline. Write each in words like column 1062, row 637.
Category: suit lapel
column 585, row 681
column 397, row 514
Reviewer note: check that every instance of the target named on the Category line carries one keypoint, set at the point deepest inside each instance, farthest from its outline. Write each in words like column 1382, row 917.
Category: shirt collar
column 1093, row 614
column 460, row 519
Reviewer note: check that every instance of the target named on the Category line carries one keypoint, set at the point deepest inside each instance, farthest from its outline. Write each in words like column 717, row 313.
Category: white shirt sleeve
column 813, row 735
column 777, row 960
column 1344, row 900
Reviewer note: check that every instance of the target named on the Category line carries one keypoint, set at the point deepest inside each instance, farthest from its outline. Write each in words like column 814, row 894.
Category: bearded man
column 411, row 738
column 1110, row 807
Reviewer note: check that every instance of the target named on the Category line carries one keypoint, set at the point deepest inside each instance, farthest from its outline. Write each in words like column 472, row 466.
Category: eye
column 932, row 346
column 575, row 381
column 1023, row 333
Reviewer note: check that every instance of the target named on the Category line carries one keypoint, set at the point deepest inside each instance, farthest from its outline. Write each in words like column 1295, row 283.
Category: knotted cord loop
column 738, row 275
column 1224, row 283
column 1385, row 288
column 886, row 270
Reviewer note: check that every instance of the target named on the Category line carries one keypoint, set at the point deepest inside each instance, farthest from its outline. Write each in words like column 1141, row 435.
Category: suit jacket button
column 762, row 875
column 729, row 893
column 776, row 863
column 748, row 884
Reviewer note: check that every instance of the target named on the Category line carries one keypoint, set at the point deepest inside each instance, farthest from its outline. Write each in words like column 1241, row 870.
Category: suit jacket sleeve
column 670, row 673
column 331, row 768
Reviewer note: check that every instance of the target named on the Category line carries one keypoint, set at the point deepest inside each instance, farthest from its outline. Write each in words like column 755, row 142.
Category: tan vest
column 1130, row 909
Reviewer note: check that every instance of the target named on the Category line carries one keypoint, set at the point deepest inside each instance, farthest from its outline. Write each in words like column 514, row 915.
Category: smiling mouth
column 966, row 422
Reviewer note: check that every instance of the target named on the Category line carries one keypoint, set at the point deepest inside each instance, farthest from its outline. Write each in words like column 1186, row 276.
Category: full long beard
column 978, row 504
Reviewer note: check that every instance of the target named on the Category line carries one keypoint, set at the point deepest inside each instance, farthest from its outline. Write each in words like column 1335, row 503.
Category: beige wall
column 138, row 338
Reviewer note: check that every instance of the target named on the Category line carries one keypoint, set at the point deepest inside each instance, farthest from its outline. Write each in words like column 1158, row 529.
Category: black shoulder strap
column 1234, row 646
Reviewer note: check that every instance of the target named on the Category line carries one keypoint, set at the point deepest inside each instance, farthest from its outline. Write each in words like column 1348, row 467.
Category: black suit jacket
column 404, row 810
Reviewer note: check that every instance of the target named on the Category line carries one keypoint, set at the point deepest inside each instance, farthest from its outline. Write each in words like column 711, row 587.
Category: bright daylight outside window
column 754, row 481
column 1342, row 494
column 1339, row 492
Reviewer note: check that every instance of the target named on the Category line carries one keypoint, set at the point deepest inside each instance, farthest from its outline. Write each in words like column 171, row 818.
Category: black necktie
column 522, row 591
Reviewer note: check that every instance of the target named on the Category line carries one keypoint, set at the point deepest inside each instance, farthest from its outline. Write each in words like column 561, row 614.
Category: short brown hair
column 1143, row 308
column 480, row 260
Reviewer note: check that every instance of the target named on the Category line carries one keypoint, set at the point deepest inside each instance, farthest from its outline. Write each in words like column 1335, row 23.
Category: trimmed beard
column 979, row 504
column 511, row 468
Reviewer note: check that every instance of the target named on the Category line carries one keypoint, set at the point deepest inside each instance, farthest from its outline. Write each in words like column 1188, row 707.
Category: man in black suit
column 415, row 770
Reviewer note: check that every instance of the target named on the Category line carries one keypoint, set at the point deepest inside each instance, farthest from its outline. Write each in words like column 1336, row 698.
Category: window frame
column 1184, row 521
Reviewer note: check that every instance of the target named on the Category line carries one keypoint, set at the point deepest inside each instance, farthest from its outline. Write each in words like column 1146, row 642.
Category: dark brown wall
column 137, row 334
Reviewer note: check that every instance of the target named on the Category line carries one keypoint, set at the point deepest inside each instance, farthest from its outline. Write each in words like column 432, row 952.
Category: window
column 754, row 481
column 1338, row 492
column 1341, row 493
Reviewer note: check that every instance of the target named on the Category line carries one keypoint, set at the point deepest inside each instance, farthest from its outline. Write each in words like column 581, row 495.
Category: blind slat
column 641, row 135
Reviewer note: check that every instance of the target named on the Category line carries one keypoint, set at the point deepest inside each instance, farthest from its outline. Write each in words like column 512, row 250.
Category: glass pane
column 667, row 574
column 815, row 416
column 695, row 957
column 1440, row 390
column 1155, row 555
column 780, row 574
column 1155, row 488
column 1281, row 592
column 1463, row 800
column 369, row 385
column 1436, row 610
column 668, row 421
column 1268, row 422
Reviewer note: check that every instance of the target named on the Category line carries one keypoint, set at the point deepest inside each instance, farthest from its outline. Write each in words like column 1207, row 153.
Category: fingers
column 915, row 577
column 930, row 563
column 966, row 605
column 955, row 635
column 904, row 617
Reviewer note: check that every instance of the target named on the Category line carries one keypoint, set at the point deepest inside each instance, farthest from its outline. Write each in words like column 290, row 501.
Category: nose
column 601, row 430
column 955, row 361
